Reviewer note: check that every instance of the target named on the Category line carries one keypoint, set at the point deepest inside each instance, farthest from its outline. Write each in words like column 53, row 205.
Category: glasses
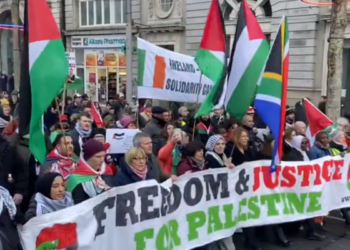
column 304, row 142
column 139, row 159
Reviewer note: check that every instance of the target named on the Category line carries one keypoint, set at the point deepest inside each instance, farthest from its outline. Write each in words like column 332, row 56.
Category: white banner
column 200, row 208
column 169, row 76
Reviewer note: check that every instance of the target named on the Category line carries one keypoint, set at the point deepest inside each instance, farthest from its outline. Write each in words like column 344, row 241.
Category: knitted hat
column 289, row 111
column 92, row 147
column 98, row 131
column 158, row 110
column 212, row 142
column 125, row 121
column 250, row 111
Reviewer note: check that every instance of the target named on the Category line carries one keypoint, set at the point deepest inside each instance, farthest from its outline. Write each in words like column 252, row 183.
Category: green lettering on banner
column 271, row 200
column 297, row 203
column 214, row 221
column 168, row 237
column 286, row 210
column 230, row 222
column 253, row 208
column 141, row 237
column 195, row 220
column 314, row 202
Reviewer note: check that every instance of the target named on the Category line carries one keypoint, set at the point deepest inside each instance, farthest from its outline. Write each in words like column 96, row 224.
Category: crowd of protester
column 169, row 145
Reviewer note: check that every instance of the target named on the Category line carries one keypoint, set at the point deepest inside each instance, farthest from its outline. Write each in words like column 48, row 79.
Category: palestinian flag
column 204, row 130
column 271, row 97
column 248, row 57
column 317, row 121
column 44, row 72
column 84, row 173
column 211, row 58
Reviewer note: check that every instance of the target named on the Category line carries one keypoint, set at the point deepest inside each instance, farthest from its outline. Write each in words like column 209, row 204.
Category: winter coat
column 294, row 155
column 186, row 166
column 154, row 129
column 9, row 238
column 316, row 152
column 237, row 157
column 126, row 176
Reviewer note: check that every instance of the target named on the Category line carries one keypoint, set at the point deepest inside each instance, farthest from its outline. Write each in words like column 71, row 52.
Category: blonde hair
column 180, row 132
column 134, row 153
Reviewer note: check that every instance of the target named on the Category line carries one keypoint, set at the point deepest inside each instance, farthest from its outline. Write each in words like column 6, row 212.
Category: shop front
column 101, row 63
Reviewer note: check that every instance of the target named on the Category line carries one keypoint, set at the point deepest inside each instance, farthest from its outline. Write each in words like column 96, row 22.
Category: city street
column 337, row 238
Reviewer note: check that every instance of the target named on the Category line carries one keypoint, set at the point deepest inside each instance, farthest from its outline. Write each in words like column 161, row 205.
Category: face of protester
column 223, row 133
column 170, row 130
column 57, row 189
column 219, row 147
column 85, row 123
column 185, row 139
column 139, row 162
column 146, row 145
column 65, row 146
column 199, row 155
column 166, row 116
column 77, row 100
column 184, row 113
column 69, row 101
column 87, row 110
column 100, row 138
column 6, row 109
column 218, row 112
column 132, row 125
column 111, row 124
column 291, row 117
column 85, row 102
column 304, row 144
column 243, row 139
column 205, row 117
column 323, row 139
column 248, row 121
column 97, row 160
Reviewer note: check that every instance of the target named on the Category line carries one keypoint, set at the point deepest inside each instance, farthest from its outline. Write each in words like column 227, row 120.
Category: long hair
column 237, row 135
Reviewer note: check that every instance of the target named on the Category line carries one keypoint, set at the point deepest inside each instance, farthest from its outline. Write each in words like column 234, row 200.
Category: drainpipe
column 63, row 23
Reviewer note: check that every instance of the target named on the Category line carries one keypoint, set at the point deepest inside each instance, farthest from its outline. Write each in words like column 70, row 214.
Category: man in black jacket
column 75, row 106
column 13, row 172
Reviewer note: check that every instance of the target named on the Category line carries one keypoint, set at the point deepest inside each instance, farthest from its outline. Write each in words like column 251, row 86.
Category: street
column 337, row 237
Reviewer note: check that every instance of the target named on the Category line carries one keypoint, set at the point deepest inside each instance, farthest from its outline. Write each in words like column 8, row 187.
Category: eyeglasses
column 304, row 142
column 139, row 159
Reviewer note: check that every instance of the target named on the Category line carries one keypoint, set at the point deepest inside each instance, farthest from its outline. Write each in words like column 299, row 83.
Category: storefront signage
column 98, row 41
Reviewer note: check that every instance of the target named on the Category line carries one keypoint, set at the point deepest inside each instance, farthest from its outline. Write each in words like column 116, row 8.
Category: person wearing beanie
column 128, row 122
column 50, row 196
column 290, row 117
column 99, row 134
column 92, row 176
column 155, row 126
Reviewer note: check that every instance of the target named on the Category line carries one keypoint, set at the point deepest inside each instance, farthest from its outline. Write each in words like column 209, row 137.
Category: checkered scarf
column 212, row 142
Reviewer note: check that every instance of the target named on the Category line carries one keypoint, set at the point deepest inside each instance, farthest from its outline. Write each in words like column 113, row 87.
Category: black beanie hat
column 44, row 184
column 98, row 131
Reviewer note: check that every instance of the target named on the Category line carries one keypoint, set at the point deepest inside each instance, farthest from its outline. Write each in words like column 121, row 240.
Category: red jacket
column 166, row 158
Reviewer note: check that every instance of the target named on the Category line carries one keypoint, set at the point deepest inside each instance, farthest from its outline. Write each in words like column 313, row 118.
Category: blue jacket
column 316, row 152
column 126, row 176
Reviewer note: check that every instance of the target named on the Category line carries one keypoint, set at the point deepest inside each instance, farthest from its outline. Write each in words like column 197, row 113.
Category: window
column 102, row 12
column 166, row 5
column 167, row 46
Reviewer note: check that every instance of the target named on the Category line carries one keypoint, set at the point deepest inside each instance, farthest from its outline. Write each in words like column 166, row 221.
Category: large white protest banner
column 170, row 76
column 199, row 209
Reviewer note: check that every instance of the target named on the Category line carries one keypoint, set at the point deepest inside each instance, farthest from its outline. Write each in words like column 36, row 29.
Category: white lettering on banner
column 199, row 208
column 170, row 76
column 98, row 41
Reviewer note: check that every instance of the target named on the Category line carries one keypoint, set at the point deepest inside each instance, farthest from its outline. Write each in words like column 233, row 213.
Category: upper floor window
column 166, row 5
column 102, row 12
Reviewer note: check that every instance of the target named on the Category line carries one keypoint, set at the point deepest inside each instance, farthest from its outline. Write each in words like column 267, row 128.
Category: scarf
column 220, row 160
column 140, row 173
column 90, row 179
column 176, row 153
column 45, row 205
column 198, row 164
column 7, row 201
column 64, row 165
column 83, row 133
column 321, row 146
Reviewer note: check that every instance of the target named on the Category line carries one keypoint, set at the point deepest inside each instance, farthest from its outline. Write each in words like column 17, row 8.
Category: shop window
column 168, row 47
column 99, row 13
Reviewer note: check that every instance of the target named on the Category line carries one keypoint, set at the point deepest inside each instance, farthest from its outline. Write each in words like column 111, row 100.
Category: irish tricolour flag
column 47, row 69
column 248, row 57
column 211, row 58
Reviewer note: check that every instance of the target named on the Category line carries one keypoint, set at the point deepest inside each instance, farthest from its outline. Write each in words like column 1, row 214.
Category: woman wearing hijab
column 216, row 158
column 9, row 238
column 215, row 155
column 299, row 153
column 321, row 147
column 134, row 169
column 50, row 196
column 299, row 148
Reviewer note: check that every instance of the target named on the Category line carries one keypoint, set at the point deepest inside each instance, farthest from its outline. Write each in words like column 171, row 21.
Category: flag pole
column 195, row 120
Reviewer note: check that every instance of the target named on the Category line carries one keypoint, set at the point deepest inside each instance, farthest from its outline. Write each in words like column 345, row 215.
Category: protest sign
column 120, row 139
column 170, row 76
column 201, row 207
